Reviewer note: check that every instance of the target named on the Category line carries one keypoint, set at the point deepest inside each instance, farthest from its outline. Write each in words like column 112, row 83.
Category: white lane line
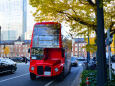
column 13, row 77
column 49, row 83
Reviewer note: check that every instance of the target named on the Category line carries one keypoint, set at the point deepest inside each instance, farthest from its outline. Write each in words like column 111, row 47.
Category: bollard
column 87, row 81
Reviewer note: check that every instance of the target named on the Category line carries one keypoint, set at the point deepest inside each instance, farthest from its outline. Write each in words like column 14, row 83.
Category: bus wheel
column 61, row 76
column 32, row 76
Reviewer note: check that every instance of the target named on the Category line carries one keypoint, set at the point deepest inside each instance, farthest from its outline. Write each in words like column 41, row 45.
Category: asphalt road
column 21, row 78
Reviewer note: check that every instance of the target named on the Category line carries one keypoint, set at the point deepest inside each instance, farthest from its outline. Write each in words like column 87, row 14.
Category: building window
column 75, row 49
column 76, row 44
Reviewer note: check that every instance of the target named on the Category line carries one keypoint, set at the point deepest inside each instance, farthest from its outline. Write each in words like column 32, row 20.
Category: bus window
column 45, row 36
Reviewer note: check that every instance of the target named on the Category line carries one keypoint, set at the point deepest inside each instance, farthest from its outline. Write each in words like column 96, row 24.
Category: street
column 21, row 78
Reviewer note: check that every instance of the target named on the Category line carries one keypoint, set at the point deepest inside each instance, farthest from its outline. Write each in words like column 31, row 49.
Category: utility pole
column 109, row 39
column 101, row 56
column 88, row 53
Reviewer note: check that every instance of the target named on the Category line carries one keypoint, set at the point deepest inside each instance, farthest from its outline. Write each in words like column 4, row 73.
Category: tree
column 79, row 14
column 6, row 50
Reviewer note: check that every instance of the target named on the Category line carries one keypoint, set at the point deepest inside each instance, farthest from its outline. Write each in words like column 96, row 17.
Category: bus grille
column 47, row 68
column 40, row 70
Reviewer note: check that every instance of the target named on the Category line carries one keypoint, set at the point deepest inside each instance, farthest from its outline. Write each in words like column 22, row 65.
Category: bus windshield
column 46, row 36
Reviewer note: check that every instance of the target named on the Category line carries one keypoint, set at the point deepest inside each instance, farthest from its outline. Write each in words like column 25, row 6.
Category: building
column 16, row 15
column 28, row 35
column 17, row 48
column 11, row 16
column 9, row 35
column 77, row 47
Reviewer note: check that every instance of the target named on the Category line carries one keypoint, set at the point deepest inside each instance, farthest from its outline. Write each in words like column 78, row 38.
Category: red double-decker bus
column 48, row 56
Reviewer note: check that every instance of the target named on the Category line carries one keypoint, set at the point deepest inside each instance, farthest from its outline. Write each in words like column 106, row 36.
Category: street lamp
column 88, row 52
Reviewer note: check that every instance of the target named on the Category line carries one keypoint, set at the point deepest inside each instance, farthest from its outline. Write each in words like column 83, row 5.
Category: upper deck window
column 46, row 36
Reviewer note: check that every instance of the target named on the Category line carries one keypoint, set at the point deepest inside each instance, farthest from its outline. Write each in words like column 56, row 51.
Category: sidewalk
column 76, row 82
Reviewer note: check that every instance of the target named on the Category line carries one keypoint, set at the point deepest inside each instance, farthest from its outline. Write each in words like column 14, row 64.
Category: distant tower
column 24, row 22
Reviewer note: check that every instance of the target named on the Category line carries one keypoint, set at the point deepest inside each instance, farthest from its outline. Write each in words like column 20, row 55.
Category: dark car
column 17, row 59
column 113, row 58
column 92, row 64
column 7, row 65
column 74, row 61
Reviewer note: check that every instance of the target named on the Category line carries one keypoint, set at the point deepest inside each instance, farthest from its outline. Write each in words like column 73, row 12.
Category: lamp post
column 88, row 53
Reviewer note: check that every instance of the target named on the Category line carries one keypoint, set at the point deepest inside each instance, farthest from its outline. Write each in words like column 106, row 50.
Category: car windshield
column 45, row 36
column 81, row 59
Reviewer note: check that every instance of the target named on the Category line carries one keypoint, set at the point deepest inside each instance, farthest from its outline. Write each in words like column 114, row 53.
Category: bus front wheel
column 61, row 76
column 32, row 76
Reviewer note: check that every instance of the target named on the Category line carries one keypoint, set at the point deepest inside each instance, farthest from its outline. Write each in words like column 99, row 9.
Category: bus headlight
column 32, row 68
column 56, row 69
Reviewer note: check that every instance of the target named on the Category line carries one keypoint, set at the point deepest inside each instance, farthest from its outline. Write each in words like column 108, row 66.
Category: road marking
column 49, row 83
column 14, row 77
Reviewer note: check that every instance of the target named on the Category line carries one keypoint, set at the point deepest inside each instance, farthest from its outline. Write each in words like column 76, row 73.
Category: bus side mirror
column 63, row 52
column 29, row 50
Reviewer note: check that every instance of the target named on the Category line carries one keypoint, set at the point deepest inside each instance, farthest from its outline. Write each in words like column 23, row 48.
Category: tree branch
column 91, row 2
column 93, row 26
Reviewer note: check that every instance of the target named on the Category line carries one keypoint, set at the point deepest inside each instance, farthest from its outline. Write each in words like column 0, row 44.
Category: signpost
column 108, row 42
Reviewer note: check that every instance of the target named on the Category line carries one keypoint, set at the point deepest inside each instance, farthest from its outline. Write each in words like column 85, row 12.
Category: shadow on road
column 5, row 74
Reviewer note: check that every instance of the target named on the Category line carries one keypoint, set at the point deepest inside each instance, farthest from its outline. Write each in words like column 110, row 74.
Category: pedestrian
column 26, row 60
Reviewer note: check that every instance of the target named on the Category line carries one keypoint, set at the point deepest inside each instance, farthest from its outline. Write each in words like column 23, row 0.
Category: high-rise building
column 13, row 16
column 9, row 35
column 28, row 35
column 11, row 10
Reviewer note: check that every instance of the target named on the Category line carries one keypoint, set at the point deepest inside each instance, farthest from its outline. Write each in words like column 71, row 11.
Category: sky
column 11, row 16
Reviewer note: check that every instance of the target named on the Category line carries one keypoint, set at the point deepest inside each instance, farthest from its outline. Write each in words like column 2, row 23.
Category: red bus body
column 48, row 57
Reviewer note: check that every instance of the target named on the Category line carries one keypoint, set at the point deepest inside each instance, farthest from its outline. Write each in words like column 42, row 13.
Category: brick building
column 78, row 50
column 77, row 47
column 17, row 48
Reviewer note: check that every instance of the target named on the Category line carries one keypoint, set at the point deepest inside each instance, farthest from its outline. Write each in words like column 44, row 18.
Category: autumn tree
column 79, row 14
column 6, row 50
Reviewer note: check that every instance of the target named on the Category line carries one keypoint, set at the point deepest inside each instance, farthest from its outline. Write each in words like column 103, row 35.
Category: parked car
column 92, row 64
column 7, row 65
column 113, row 58
column 17, row 59
column 74, row 61
column 81, row 61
